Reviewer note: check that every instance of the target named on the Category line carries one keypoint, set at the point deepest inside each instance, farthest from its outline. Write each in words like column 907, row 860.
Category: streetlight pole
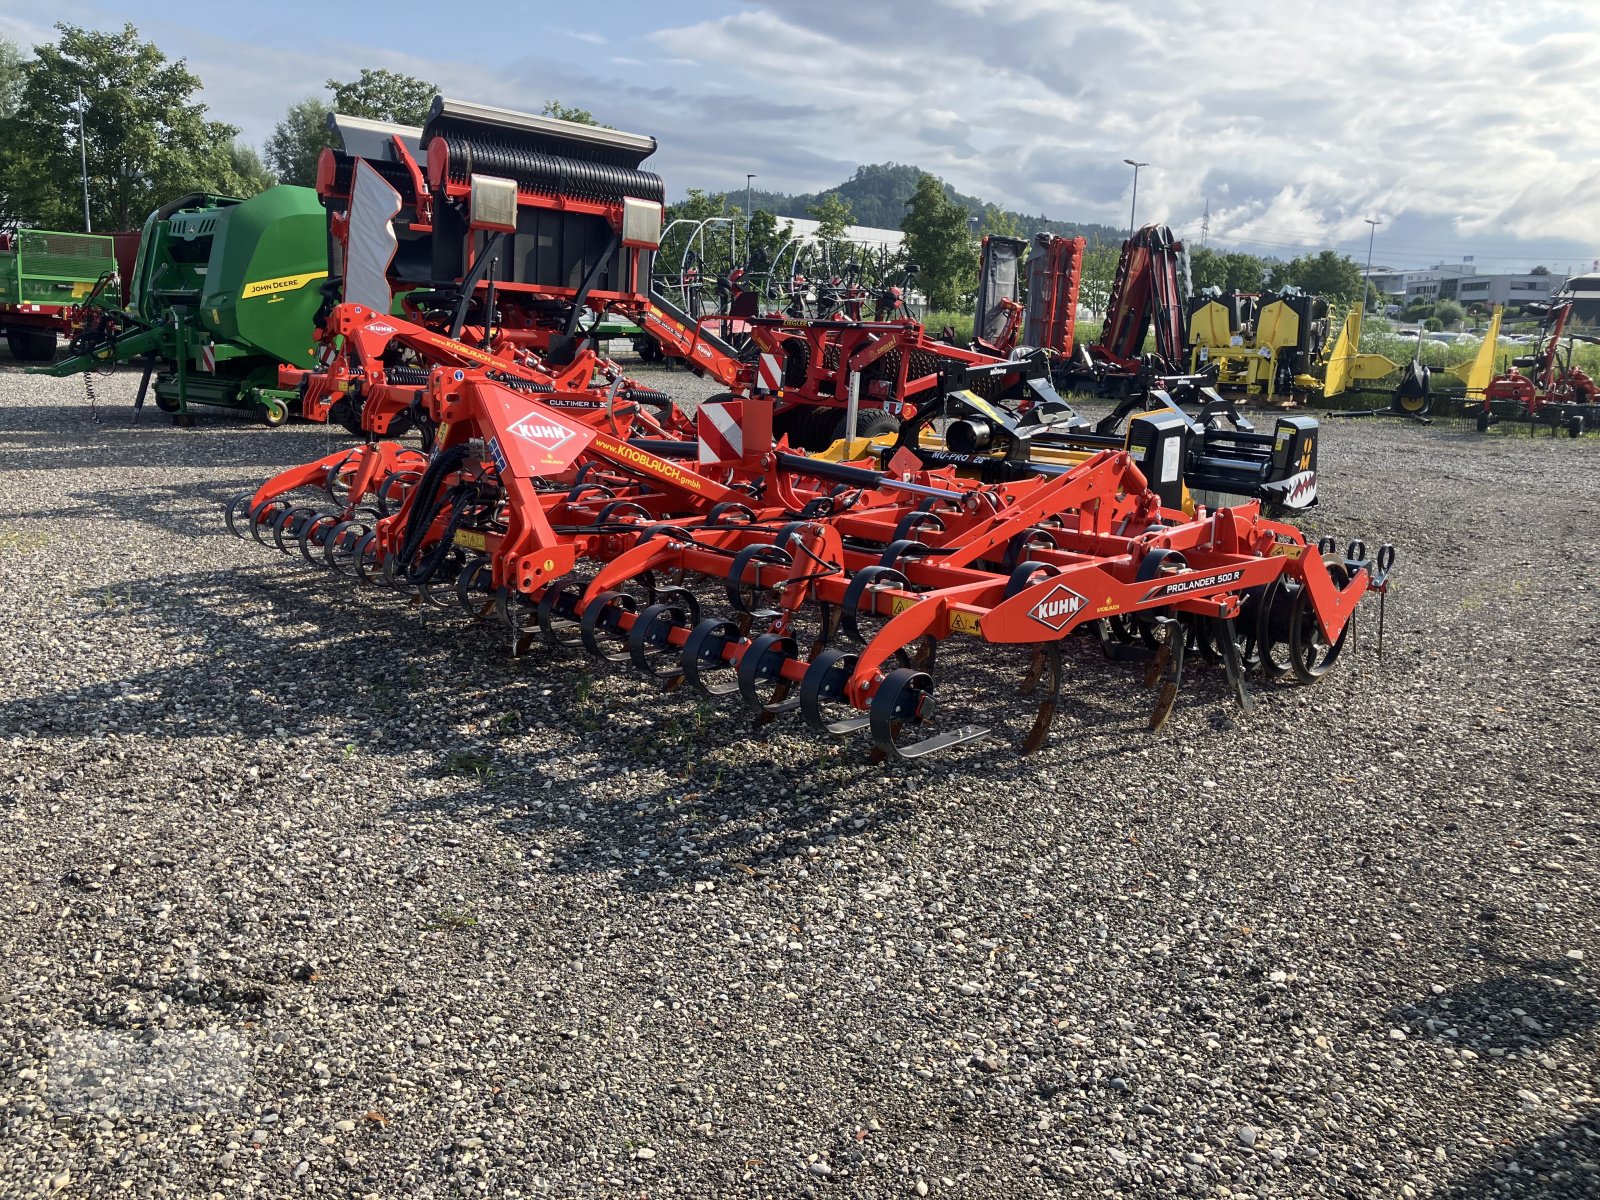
column 83, row 162
column 1133, row 208
column 1372, row 233
column 1366, row 279
column 747, row 180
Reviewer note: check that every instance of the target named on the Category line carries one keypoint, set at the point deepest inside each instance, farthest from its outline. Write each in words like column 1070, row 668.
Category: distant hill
column 877, row 195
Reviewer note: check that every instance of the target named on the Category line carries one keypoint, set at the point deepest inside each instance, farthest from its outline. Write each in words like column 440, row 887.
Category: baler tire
column 273, row 412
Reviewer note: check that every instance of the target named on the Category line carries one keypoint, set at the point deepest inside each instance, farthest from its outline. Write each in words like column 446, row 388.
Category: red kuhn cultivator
column 374, row 377
column 919, row 608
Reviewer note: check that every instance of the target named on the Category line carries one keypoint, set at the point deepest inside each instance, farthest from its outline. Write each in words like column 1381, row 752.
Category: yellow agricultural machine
column 1414, row 396
column 1278, row 344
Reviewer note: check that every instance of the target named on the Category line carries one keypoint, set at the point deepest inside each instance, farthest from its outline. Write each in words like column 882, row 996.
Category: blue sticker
column 497, row 454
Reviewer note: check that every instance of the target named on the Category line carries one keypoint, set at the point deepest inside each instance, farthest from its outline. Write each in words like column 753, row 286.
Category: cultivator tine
column 1233, row 662
column 1175, row 646
column 1381, row 583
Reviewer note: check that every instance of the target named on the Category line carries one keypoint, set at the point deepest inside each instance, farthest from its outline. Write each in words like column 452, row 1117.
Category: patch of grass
column 466, row 762
column 586, row 710
column 449, row 918
column 933, row 322
column 109, row 600
column 19, row 540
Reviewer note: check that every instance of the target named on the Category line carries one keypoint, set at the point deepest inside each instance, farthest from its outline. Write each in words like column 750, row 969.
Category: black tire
column 32, row 345
column 1483, row 422
column 167, row 404
column 1575, row 425
column 272, row 412
column 871, row 422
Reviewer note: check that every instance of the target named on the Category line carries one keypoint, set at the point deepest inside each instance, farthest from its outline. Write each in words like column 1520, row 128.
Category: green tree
column 1541, row 269
column 1336, row 276
column 767, row 237
column 1449, row 313
column 1099, row 271
column 298, row 140
column 148, row 139
column 999, row 223
column 1232, row 272
column 554, row 108
column 381, row 95
column 833, row 216
column 13, row 75
column 939, row 241
column 246, row 173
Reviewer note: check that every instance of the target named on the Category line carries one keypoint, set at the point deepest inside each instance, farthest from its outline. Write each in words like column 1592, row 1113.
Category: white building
column 859, row 235
column 1510, row 290
column 1462, row 283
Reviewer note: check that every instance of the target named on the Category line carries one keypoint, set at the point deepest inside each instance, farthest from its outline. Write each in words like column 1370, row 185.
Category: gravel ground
column 302, row 890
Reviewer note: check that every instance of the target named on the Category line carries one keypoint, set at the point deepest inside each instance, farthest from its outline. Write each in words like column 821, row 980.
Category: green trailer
column 44, row 275
column 223, row 291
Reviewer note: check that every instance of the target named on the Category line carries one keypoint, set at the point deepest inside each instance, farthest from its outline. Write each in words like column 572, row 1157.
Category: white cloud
column 1301, row 117
column 1295, row 119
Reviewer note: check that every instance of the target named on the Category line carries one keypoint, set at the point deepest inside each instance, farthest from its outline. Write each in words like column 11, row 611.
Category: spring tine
column 1232, row 663
column 1178, row 639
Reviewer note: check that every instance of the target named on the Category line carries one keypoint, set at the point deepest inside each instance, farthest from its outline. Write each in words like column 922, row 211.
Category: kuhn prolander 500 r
column 926, row 610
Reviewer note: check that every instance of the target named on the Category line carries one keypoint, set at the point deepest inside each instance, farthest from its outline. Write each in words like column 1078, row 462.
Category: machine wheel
column 1575, row 425
column 1483, row 422
column 273, row 412
column 32, row 345
column 167, row 404
column 1311, row 656
column 869, row 423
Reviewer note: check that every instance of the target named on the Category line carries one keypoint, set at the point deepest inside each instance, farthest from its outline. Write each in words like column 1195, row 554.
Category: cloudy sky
column 1463, row 125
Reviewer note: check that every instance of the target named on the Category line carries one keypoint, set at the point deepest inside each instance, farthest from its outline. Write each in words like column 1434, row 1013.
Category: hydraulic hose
column 423, row 501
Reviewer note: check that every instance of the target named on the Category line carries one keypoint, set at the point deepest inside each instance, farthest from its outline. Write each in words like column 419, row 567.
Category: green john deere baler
column 223, row 291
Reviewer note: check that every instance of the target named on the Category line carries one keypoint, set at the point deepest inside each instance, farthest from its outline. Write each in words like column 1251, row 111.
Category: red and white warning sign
column 769, row 373
column 718, row 428
column 208, row 357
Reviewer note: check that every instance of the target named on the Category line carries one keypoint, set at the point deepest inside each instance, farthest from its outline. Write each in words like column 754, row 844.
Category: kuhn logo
column 1058, row 607
column 542, row 432
column 380, row 327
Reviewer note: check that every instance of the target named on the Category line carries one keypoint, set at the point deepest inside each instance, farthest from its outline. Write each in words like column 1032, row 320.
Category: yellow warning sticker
column 471, row 540
column 960, row 622
column 284, row 283
column 963, row 622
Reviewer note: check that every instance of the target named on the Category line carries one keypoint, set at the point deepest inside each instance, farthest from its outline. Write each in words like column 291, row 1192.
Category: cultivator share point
column 910, row 606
